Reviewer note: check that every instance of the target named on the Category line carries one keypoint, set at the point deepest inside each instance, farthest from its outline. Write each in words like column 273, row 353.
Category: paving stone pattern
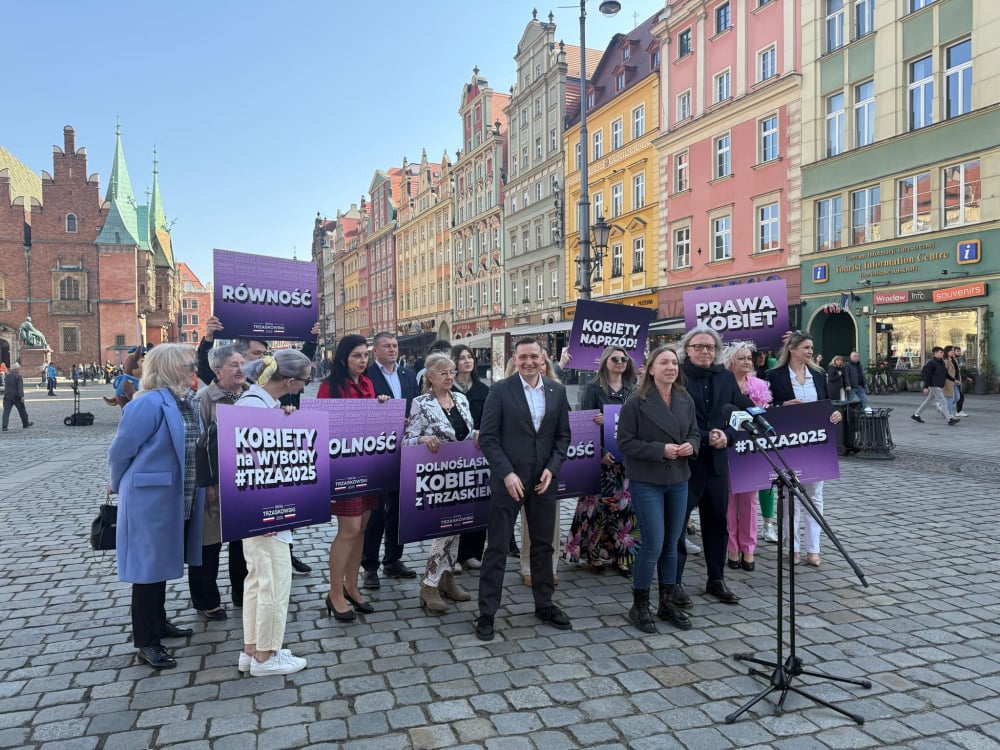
column 926, row 632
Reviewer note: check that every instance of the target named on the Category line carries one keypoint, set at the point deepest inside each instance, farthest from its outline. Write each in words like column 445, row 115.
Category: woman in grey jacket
column 658, row 434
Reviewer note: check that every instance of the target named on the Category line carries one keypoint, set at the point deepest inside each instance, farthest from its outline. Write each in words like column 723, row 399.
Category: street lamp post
column 586, row 261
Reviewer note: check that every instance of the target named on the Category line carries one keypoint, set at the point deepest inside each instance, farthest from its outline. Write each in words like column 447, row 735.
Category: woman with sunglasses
column 604, row 530
column 348, row 380
column 799, row 380
column 440, row 415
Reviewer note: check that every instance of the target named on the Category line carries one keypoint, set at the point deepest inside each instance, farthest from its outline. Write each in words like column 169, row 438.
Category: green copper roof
column 23, row 182
column 121, row 227
column 163, row 254
column 142, row 223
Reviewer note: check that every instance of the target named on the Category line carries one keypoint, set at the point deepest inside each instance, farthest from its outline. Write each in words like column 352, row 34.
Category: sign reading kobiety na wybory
column 258, row 295
column 598, row 325
column 747, row 312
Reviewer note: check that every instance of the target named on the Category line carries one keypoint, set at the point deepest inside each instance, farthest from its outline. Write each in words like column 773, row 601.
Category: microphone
column 757, row 414
column 742, row 420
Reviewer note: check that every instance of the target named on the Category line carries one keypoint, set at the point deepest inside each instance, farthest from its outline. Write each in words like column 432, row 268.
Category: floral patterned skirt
column 605, row 529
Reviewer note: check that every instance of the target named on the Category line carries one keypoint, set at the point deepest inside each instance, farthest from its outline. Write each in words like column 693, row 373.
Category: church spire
column 121, row 227
column 157, row 218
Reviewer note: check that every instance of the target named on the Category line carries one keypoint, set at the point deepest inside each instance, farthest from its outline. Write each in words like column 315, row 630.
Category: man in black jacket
column 393, row 381
column 854, row 380
column 934, row 375
column 13, row 397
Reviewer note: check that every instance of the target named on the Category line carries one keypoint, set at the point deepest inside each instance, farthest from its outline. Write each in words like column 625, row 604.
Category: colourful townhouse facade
column 729, row 146
column 623, row 120
column 384, row 194
column 901, row 179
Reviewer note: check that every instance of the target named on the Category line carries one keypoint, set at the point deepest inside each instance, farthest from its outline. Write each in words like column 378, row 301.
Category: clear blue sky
column 262, row 113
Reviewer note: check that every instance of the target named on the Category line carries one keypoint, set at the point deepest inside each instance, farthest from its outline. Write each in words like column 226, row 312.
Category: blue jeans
column 661, row 509
column 861, row 394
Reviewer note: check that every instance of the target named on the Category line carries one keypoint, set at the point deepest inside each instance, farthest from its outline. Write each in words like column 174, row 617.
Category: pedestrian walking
column 13, row 397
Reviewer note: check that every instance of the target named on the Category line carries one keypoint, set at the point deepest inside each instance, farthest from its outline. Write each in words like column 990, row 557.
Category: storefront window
column 909, row 342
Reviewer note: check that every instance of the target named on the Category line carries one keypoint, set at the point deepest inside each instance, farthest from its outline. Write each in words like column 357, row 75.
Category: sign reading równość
column 746, row 312
column 258, row 295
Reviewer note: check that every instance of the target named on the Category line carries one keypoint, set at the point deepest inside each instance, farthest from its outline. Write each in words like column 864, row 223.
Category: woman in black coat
column 797, row 380
column 835, row 378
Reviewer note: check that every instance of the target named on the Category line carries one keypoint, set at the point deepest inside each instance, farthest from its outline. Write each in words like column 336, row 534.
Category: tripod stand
column 781, row 672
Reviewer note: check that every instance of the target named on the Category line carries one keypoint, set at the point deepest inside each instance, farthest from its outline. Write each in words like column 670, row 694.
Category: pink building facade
column 730, row 150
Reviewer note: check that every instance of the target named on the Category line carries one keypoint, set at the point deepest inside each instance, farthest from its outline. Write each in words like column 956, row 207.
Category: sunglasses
column 619, row 360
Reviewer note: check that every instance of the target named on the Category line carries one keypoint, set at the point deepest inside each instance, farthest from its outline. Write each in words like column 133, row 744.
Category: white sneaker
column 770, row 533
column 938, row 407
column 245, row 659
column 961, row 414
column 280, row 663
column 692, row 548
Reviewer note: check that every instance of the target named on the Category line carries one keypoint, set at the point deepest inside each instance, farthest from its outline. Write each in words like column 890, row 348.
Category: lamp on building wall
column 585, row 263
column 950, row 274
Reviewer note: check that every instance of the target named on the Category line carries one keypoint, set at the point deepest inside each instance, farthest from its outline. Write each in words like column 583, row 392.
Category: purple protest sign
column 257, row 295
column 273, row 470
column 443, row 493
column 611, row 412
column 807, row 441
column 598, row 325
column 580, row 473
column 747, row 312
column 365, row 438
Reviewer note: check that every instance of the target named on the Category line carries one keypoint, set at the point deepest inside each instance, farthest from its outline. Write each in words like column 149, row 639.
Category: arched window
column 71, row 223
column 69, row 288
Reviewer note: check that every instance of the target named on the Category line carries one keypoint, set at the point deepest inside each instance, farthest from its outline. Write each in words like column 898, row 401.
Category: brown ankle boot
column 449, row 588
column 430, row 599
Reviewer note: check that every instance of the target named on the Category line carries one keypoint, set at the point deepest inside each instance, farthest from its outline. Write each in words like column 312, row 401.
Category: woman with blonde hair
column 269, row 565
column 151, row 462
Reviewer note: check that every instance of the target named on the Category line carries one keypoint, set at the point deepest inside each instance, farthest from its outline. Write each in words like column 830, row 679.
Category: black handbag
column 104, row 528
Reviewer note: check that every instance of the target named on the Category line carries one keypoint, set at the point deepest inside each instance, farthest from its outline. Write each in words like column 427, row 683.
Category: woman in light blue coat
column 160, row 510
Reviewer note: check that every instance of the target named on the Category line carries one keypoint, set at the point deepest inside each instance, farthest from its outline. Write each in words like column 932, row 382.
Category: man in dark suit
column 524, row 435
column 13, row 397
column 395, row 382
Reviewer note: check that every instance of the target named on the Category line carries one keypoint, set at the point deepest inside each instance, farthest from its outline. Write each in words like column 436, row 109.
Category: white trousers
column 810, row 526
column 266, row 591
column 440, row 560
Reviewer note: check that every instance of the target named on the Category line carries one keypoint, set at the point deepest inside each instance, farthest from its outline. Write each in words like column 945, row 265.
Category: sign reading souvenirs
column 598, row 325
column 257, row 295
column 363, row 449
column 752, row 312
column 442, row 493
column 273, row 471
column 806, row 439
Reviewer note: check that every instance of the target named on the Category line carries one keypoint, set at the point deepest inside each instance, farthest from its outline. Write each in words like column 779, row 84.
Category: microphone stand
column 783, row 671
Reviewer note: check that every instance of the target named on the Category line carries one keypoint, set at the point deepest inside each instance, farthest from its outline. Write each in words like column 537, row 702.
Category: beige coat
column 208, row 399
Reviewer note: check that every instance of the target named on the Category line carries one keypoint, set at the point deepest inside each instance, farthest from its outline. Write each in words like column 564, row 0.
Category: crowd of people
column 672, row 439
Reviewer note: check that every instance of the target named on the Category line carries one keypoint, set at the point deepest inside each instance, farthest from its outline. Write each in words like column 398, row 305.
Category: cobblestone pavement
column 923, row 528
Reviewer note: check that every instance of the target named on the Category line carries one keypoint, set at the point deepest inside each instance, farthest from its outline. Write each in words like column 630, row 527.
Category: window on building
column 638, row 121
column 194, row 337
column 722, row 163
column 829, row 223
column 638, row 254
column 683, row 106
column 194, row 304
column 598, row 141
column 767, row 64
column 71, row 223
column 576, row 156
column 539, row 186
column 866, row 213
column 620, row 81
column 864, row 17
column 538, row 148
column 834, row 24
column 722, row 19
column 119, row 339
column 958, row 78
column 194, row 320
column 913, row 204
column 553, row 140
column 513, row 292
column 70, row 339
column 681, row 182
column 835, row 124
column 682, row 248
column 722, row 247
column 597, row 199
column 918, row 4
column 69, row 289
column 538, row 234
column 721, row 90
column 768, row 228
column 617, row 260
column 616, row 134
column 684, row 43
column 496, row 291
column 654, row 60
column 540, row 288
column 769, row 138
column 639, row 191
column 555, row 284
column 524, row 156
column 864, row 114
column 617, row 200
column 185, row 303
column 921, row 93
column 590, row 100
column 962, row 193
column 538, row 105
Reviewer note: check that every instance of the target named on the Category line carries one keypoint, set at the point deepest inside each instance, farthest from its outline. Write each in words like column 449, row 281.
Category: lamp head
column 602, row 230
column 610, row 8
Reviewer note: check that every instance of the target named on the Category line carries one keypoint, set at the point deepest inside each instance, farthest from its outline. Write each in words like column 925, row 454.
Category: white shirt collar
column 528, row 387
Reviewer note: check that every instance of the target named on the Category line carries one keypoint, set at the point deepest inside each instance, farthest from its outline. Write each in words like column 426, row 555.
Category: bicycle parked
column 882, row 379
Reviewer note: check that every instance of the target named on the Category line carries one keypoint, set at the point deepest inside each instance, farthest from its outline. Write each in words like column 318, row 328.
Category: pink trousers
column 741, row 520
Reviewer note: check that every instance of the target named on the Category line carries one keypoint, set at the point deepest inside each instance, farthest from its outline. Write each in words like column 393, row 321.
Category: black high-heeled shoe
column 735, row 564
column 337, row 615
column 363, row 607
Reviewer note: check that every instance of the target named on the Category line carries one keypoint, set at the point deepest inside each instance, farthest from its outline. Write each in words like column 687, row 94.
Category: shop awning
column 482, row 340
column 667, row 325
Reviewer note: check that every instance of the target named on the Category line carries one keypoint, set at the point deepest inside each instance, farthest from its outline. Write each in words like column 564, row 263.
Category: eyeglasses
column 447, row 373
column 619, row 360
column 702, row 347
